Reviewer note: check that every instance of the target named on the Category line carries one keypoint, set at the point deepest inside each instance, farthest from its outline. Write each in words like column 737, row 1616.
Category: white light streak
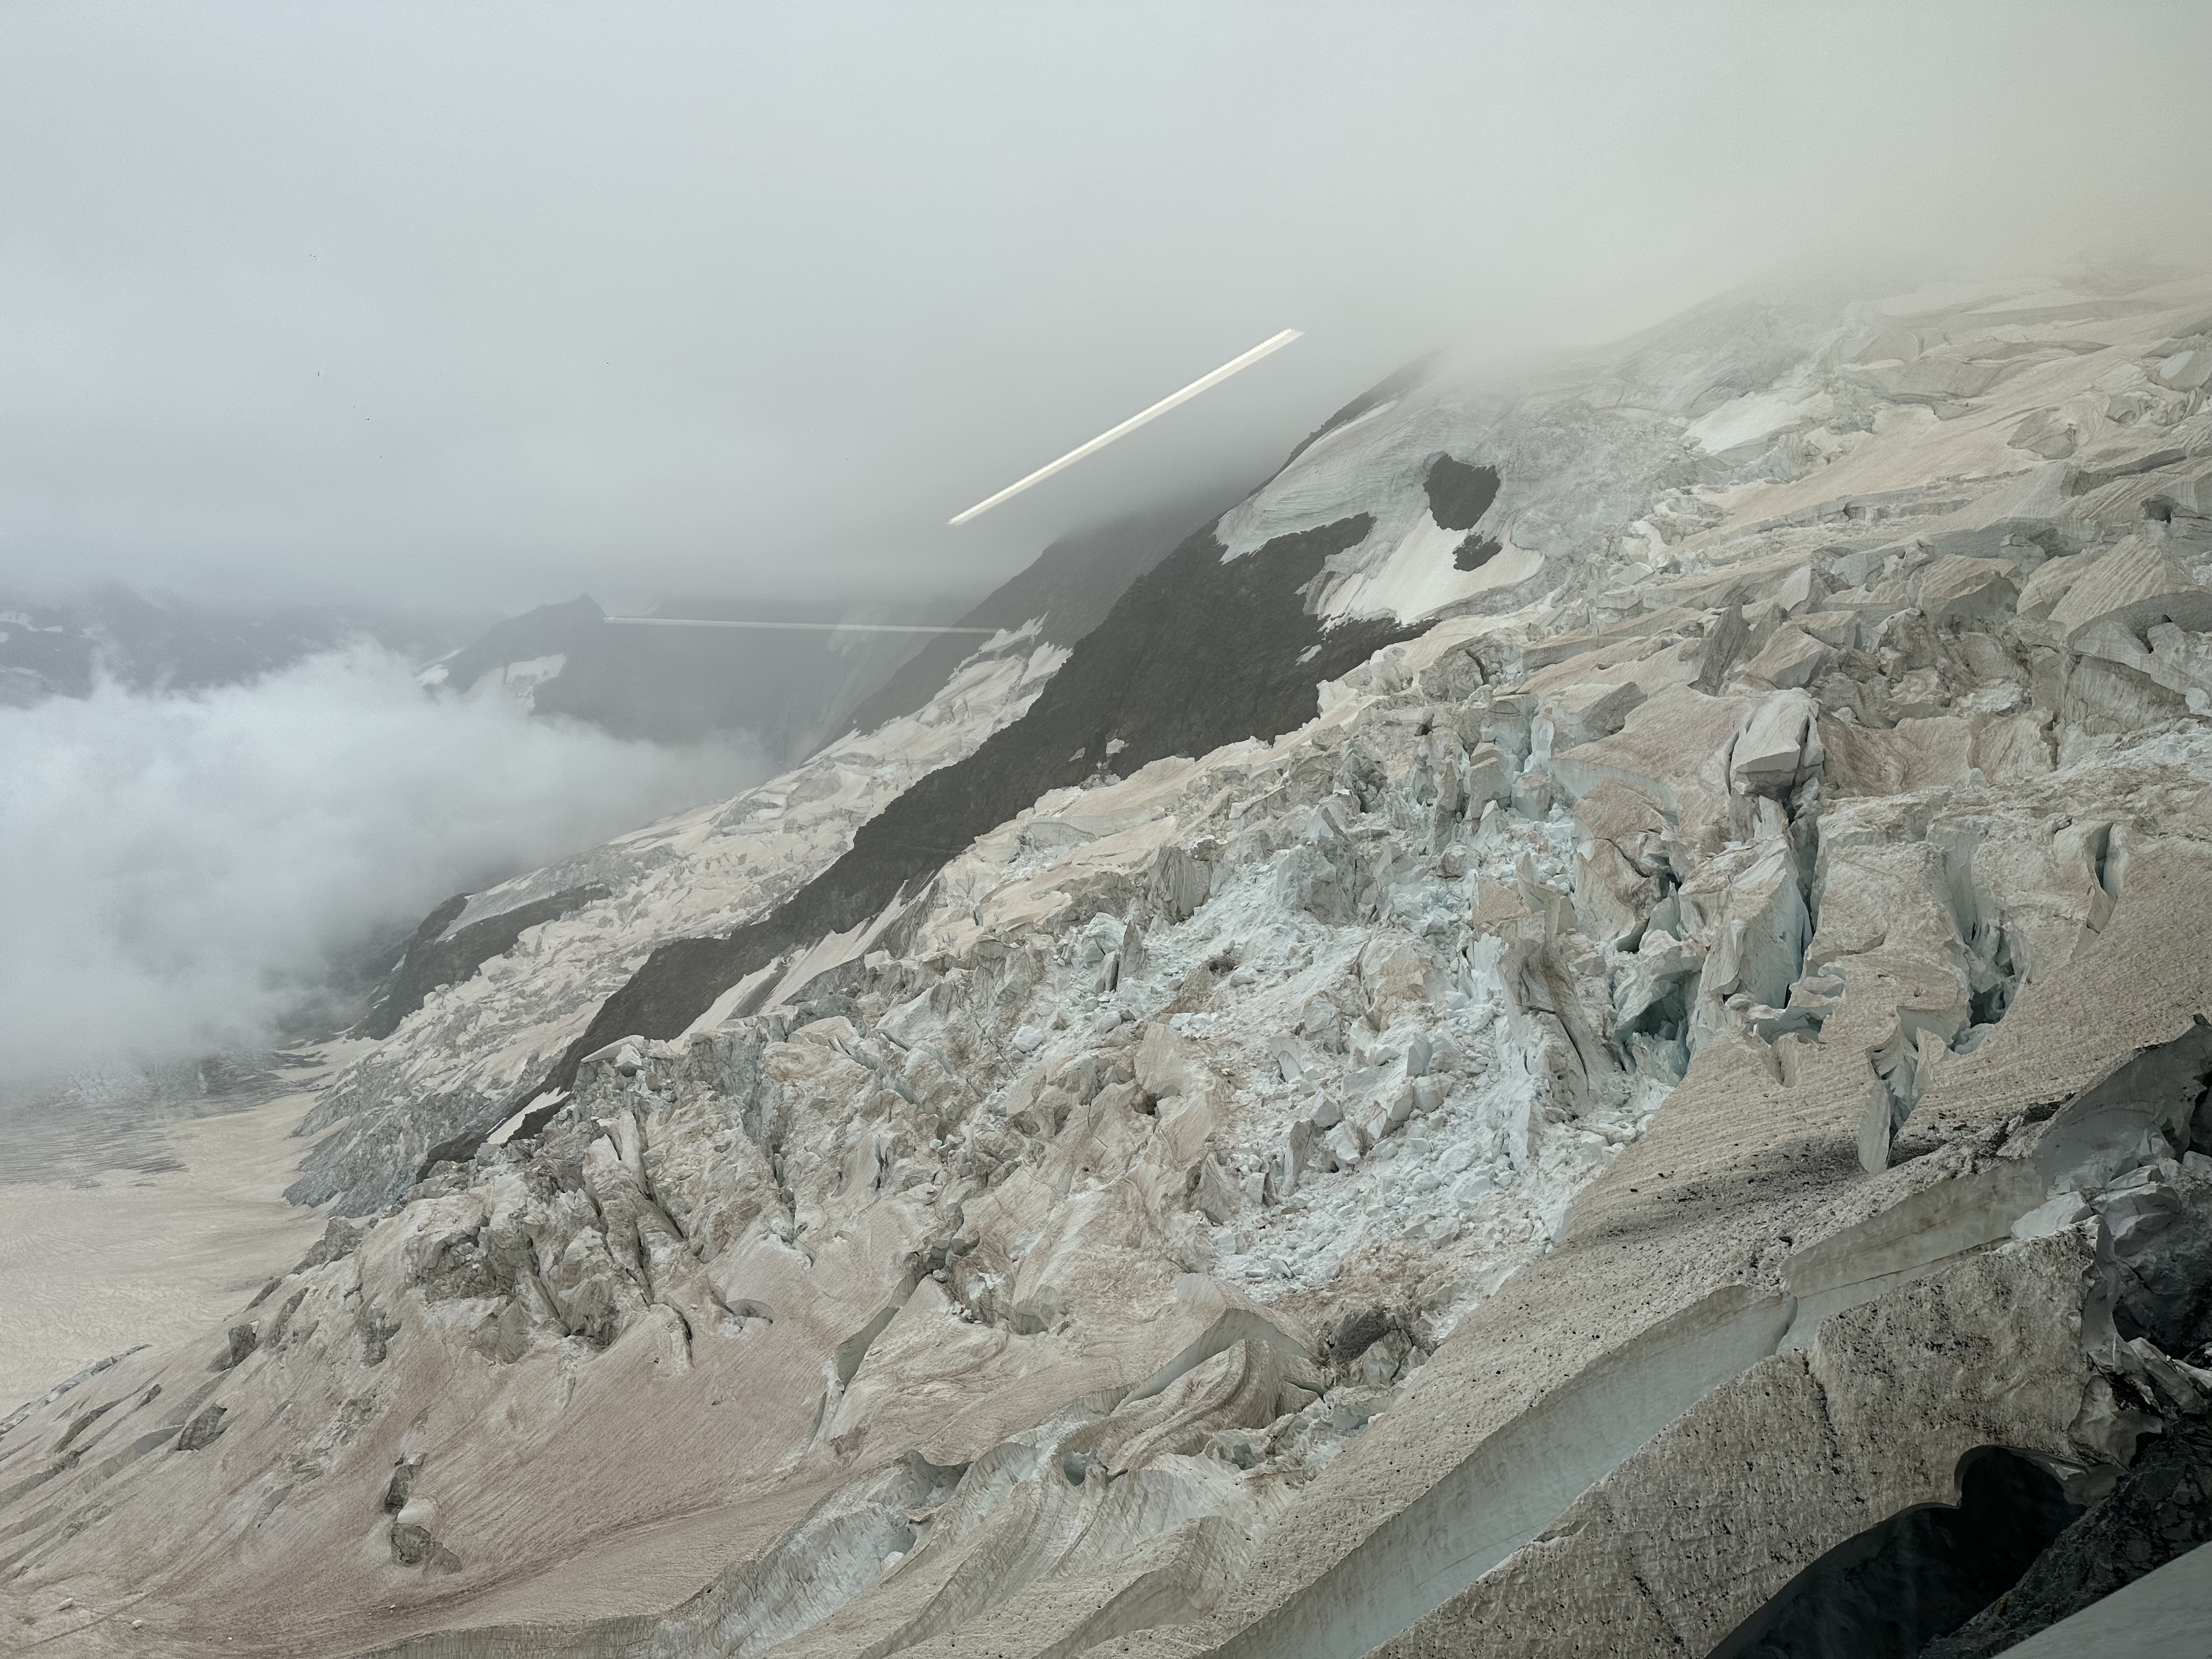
column 1276, row 343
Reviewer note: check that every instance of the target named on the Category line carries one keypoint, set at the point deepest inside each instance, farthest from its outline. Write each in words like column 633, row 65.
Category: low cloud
column 487, row 305
column 178, row 872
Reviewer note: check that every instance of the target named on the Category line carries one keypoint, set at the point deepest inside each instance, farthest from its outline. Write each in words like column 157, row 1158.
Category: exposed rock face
column 792, row 691
column 1069, row 591
column 1604, row 1100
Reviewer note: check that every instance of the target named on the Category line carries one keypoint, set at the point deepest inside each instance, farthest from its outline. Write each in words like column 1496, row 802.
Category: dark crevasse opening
column 2160, row 1511
column 1900, row 1585
column 1666, row 1018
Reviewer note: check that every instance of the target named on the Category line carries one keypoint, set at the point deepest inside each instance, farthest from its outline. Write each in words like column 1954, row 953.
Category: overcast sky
column 486, row 306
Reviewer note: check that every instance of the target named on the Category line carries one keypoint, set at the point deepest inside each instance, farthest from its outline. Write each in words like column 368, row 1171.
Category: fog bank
column 178, row 872
column 502, row 303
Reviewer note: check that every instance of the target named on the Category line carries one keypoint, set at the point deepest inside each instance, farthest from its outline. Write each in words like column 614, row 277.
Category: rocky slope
column 1581, row 1026
column 791, row 692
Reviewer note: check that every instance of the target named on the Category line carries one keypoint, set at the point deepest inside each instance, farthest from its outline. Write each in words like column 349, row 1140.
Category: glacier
column 1576, row 1009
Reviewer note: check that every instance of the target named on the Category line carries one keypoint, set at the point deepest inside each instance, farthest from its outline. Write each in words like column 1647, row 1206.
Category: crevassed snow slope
column 453, row 1067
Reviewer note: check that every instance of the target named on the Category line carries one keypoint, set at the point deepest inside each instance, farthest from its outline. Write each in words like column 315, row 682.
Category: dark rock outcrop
column 1073, row 586
column 431, row 961
column 1459, row 493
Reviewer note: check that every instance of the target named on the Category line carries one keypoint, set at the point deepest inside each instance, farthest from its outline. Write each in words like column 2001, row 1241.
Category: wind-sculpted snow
column 1548, row 1146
